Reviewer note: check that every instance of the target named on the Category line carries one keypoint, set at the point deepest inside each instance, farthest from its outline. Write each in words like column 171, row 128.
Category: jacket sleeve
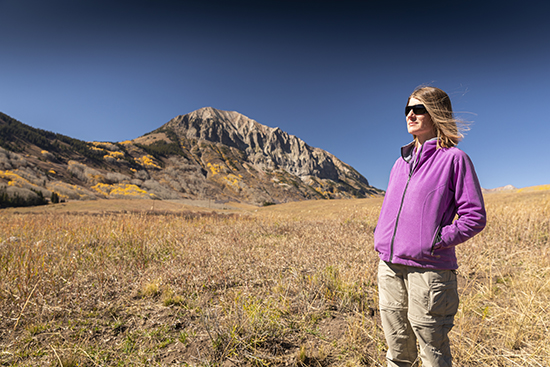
column 469, row 204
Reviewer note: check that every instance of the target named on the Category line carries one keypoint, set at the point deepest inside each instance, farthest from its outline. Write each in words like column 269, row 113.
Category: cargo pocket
column 443, row 299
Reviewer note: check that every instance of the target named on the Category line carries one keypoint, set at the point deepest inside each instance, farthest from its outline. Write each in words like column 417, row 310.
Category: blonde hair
column 439, row 106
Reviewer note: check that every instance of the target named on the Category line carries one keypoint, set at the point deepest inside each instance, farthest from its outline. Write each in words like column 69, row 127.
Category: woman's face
column 420, row 126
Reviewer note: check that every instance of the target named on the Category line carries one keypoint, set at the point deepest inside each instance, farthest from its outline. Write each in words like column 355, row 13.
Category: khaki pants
column 417, row 304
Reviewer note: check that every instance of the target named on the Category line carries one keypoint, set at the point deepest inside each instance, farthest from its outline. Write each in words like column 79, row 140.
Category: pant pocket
column 443, row 299
column 391, row 288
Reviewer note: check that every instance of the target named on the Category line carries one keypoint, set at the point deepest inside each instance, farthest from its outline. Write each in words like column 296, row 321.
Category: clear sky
column 336, row 74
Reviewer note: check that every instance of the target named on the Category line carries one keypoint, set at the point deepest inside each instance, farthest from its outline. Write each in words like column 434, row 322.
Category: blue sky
column 336, row 74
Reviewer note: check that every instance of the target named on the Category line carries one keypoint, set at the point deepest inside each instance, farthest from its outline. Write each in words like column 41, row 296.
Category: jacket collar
column 408, row 151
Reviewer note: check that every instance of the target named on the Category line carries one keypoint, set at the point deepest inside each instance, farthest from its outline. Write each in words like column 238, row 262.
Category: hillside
column 207, row 154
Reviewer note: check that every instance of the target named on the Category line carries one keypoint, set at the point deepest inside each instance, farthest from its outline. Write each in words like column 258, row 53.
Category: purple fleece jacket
column 426, row 191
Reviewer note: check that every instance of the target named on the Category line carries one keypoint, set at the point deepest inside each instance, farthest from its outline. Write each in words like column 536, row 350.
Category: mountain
column 499, row 189
column 206, row 154
column 510, row 188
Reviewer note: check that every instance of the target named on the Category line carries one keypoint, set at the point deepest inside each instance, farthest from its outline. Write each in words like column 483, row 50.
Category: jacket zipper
column 416, row 158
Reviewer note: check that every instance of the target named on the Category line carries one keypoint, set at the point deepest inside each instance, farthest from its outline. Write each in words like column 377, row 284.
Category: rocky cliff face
column 254, row 151
column 206, row 154
column 266, row 148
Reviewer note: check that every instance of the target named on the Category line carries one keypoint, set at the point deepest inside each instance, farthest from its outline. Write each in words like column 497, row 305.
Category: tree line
column 34, row 198
column 11, row 131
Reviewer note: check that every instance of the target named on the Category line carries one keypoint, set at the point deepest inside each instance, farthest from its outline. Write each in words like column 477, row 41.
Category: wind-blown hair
column 439, row 106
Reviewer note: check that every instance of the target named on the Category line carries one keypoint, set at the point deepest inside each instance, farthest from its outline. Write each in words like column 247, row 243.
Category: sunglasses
column 417, row 109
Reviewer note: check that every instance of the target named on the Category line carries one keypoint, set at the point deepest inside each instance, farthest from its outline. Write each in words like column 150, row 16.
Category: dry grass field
column 285, row 285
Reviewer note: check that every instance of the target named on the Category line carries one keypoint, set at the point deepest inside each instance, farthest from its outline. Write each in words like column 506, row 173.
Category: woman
column 430, row 184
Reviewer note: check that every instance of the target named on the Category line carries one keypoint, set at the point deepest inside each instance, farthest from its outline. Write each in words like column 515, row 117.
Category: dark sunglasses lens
column 418, row 110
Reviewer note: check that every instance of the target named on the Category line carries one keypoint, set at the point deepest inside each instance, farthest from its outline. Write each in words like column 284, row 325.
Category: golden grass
column 114, row 206
column 534, row 188
column 291, row 284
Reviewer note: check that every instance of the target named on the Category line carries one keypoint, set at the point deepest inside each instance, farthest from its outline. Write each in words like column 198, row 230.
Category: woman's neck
column 419, row 141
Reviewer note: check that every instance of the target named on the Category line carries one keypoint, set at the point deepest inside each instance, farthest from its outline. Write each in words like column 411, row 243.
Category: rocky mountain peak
column 207, row 154
column 264, row 147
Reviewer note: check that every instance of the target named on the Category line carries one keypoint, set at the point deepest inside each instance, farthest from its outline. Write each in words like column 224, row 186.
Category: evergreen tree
column 54, row 198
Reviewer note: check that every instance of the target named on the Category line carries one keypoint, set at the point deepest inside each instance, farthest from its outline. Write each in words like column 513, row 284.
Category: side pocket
column 391, row 288
column 436, row 240
column 443, row 299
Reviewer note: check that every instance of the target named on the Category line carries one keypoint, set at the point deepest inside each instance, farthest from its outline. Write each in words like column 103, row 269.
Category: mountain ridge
column 207, row 153
column 249, row 135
